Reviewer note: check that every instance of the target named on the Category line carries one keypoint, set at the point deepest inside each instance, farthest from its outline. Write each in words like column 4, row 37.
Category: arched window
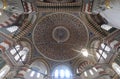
column 38, row 70
column 62, row 72
column 19, row 54
column 4, row 71
column 12, row 29
column 94, row 68
column 89, row 73
column 85, row 74
column 102, row 52
column 106, row 27
column 32, row 73
column 23, row 53
column 116, row 67
column 14, row 50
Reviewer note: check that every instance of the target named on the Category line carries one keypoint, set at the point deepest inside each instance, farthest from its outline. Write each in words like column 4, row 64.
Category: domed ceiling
column 57, row 35
column 46, row 39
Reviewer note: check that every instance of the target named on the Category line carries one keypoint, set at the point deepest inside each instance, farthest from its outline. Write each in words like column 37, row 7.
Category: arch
column 101, row 51
column 12, row 29
column 116, row 68
column 18, row 53
column 4, row 71
column 21, row 52
column 38, row 70
column 106, row 27
column 90, row 73
column 94, row 45
column 11, row 20
column 62, row 72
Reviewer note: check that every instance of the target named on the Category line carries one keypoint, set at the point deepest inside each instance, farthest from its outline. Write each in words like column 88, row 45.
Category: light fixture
column 84, row 52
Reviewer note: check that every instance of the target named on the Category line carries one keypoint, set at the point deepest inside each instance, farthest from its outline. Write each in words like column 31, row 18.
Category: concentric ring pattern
column 57, row 36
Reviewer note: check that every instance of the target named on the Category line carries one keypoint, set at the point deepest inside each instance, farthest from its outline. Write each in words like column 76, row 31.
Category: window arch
column 38, row 70
column 12, row 29
column 116, row 68
column 90, row 73
column 106, row 27
column 62, row 72
column 14, row 50
column 4, row 71
column 102, row 52
column 19, row 53
column 23, row 53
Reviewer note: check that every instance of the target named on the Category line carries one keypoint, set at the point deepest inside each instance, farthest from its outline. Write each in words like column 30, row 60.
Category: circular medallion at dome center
column 57, row 36
column 60, row 34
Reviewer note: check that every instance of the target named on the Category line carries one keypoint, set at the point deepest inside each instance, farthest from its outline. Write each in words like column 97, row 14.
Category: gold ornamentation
column 4, row 4
column 107, row 3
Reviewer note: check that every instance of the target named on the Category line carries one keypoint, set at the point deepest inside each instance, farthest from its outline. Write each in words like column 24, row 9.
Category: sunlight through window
column 62, row 72
column 32, row 74
column 56, row 74
column 91, row 72
column 67, row 74
column 95, row 69
column 12, row 29
column 116, row 67
column 85, row 74
column 38, row 75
